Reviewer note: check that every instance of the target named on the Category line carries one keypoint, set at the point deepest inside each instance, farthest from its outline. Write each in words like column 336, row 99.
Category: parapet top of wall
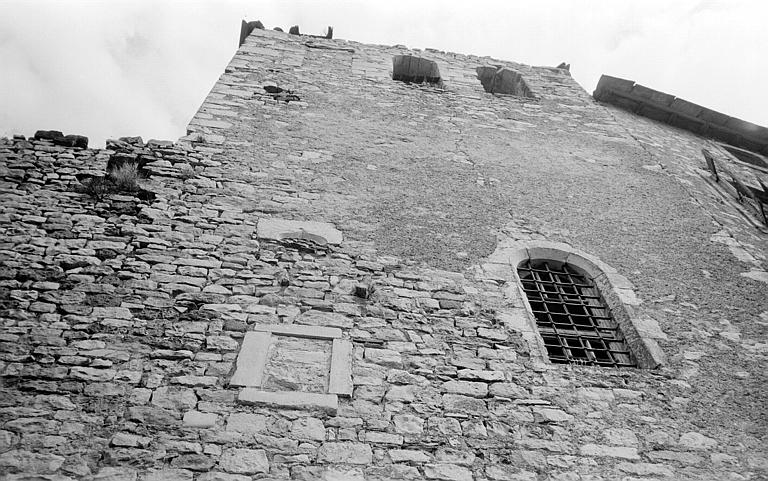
column 678, row 112
column 372, row 61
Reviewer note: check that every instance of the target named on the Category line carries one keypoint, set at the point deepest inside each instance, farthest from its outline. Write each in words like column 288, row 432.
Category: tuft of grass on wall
column 97, row 187
column 187, row 172
column 125, row 178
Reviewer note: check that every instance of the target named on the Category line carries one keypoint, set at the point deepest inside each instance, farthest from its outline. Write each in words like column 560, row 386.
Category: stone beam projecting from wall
column 683, row 114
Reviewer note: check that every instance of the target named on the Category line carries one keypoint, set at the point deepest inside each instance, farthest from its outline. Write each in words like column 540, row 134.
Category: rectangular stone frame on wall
column 252, row 361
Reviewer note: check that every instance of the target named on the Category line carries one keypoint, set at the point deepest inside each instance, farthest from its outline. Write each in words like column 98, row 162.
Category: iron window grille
column 573, row 318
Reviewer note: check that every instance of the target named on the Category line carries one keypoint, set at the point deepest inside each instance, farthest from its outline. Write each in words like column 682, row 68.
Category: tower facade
column 366, row 262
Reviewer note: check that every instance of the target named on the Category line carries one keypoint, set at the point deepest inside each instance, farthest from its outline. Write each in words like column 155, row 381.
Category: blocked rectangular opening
column 500, row 80
column 410, row 69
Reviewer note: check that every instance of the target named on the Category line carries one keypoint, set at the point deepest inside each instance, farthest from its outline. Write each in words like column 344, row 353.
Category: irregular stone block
column 48, row 135
column 92, row 374
column 345, row 452
column 315, row 317
column 244, row 461
column 547, row 415
column 277, row 229
column 408, row 424
column 684, row 458
column 214, row 476
column 174, row 398
column 620, row 436
column 488, row 376
column 111, row 312
column 168, row 475
column 609, row 451
column 697, row 441
column 221, row 343
column 110, row 473
column 467, row 388
column 246, row 423
column 22, row 460
column 454, row 456
column 595, row 394
column 308, row 429
column 646, row 469
column 153, row 415
column 408, row 456
column 7, row 440
column 493, row 334
column 456, row 403
column 193, row 462
column 508, row 390
column 196, row 380
column 384, row 357
column 447, row 472
column 129, row 440
column 196, row 419
column 400, row 393
column 378, row 437
column 445, row 426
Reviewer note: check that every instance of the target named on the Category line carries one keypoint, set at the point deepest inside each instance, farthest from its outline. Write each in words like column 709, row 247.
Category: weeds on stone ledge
column 96, row 187
column 187, row 172
column 123, row 179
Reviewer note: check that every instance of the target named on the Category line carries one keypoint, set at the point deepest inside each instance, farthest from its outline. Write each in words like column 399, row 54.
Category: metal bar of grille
column 574, row 320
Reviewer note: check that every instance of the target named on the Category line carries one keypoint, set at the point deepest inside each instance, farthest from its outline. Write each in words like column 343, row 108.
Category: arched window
column 574, row 320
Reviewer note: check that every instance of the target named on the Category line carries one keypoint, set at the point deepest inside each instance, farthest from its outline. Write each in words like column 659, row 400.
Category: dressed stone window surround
column 572, row 317
column 640, row 333
column 254, row 357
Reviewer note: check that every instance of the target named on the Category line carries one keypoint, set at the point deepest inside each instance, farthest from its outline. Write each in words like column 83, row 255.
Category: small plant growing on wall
column 187, row 172
column 125, row 178
column 122, row 179
column 96, row 187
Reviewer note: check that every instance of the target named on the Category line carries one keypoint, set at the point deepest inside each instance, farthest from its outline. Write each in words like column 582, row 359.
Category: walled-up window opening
column 499, row 80
column 407, row 68
column 746, row 156
column 573, row 319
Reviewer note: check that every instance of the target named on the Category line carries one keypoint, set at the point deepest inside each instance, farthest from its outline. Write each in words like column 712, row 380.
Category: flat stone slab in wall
column 277, row 229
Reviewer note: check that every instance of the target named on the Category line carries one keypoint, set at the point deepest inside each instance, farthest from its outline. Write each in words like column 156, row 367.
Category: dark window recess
column 746, row 156
column 572, row 317
column 498, row 80
column 279, row 94
column 407, row 68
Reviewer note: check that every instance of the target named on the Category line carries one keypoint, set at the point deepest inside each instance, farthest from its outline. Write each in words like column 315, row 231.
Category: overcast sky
column 106, row 69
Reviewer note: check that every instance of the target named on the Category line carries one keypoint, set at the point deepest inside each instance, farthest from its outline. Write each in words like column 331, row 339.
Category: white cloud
column 142, row 68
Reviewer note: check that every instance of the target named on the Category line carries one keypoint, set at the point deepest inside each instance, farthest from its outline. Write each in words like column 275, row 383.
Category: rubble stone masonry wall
column 123, row 318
